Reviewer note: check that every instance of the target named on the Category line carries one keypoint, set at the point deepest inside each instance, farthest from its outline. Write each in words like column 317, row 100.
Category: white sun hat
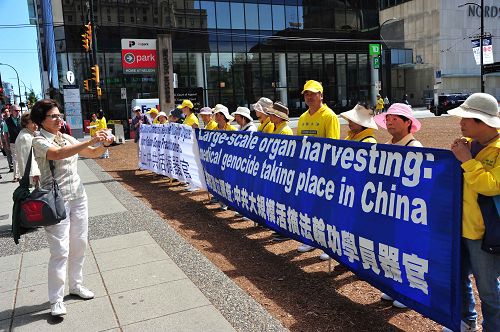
column 219, row 108
column 480, row 106
column 244, row 112
column 360, row 115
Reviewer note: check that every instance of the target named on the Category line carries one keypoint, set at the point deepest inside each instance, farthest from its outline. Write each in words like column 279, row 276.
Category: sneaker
column 469, row 326
column 82, row 292
column 278, row 237
column 324, row 256
column 58, row 309
column 386, row 297
column 305, row 248
column 398, row 304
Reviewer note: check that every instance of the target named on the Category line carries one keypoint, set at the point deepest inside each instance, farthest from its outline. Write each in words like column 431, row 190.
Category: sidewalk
column 144, row 275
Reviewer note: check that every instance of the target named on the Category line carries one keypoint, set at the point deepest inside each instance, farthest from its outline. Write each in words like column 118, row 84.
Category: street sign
column 124, row 93
column 70, row 76
column 374, row 49
column 376, row 62
column 492, row 68
column 139, row 56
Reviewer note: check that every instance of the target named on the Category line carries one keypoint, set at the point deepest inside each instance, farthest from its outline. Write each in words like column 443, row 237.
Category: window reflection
column 265, row 17
column 223, row 15
column 278, row 17
column 237, row 16
column 208, row 11
column 251, row 16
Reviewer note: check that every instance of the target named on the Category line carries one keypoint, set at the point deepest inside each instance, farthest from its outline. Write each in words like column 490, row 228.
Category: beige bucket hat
column 244, row 112
column 361, row 115
column 280, row 110
column 219, row 108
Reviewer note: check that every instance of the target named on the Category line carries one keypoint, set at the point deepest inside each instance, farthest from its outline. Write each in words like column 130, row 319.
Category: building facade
column 439, row 34
column 236, row 51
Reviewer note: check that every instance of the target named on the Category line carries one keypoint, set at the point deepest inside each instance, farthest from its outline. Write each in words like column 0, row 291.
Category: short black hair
column 41, row 108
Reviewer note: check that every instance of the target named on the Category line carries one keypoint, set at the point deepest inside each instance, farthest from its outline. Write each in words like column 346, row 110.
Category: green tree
column 32, row 98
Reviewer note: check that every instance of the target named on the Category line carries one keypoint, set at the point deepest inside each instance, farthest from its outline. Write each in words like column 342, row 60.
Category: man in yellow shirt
column 318, row 121
column 187, row 109
column 206, row 116
column 480, row 162
column 260, row 108
column 101, row 124
column 223, row 118
column 380, row 105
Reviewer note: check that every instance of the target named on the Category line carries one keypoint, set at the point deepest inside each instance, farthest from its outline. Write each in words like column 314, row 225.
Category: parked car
column 447, row 102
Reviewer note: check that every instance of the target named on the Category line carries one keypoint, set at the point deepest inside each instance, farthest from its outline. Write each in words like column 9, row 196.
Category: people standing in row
column 12, row 125
column 361, row 124
column 318, row 121
column 206, row 116
column 68, row 239
column 23, row 144
column 260, row 108
column 244, row 119
column 479, row 156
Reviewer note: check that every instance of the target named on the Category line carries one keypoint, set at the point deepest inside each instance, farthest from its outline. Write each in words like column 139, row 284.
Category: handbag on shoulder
column 490, row 209
column 42, row 207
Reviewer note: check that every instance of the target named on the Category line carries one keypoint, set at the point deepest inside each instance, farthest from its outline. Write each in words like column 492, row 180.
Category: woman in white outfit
column 68, row 239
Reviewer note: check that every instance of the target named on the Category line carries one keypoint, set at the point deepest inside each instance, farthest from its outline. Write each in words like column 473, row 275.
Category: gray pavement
column 144, row 275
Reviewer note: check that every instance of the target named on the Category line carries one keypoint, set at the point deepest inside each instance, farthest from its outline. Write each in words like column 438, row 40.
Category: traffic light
column 99, row 91
column 87, row 37
column 86, row 86
column 95, row 74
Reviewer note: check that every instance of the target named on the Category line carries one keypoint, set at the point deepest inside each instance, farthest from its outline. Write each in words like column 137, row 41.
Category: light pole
column 25, row 94
column 18, row 85
column 388, row 65
column 481, row 37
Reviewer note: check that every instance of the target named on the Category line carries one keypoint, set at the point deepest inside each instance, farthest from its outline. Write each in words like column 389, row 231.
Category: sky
column 18, row 47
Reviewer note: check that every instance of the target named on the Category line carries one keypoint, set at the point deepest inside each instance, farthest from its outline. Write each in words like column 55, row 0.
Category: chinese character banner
column 171, row 150
column 391, row 214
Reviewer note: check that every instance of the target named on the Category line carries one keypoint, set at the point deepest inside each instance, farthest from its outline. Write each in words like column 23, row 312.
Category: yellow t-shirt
column 101, row 124
column 283, row 129
column 380, row 104
column 323, row 123
column 227, row 127
column 191, row 119
column 93, row 130
column 266, row 127
column 156, row 121
column 212, row 125
column 365, row 136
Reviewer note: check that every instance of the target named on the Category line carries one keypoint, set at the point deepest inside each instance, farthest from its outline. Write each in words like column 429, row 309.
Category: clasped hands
column 461, row 149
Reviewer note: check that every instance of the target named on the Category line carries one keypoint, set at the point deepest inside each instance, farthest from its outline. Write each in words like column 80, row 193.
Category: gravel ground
column 295, row 288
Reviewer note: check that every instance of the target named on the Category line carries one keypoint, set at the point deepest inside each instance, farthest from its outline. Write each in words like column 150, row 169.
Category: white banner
column 172, row 150
column 487, row 51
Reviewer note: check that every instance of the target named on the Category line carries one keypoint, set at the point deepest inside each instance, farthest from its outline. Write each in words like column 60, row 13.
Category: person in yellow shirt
column 260, row 108
column 190, row 118
column 278, row 114
column 361, row 124
column 380, row 105
column 223, row 118
column 162, row 118
column 93, row 125
column 206, row 116
column 101, row 124
column 153, row 113
column 479, row 157
column 318, row 121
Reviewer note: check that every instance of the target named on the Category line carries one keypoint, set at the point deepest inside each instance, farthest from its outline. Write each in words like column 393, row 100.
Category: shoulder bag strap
column 25, row 180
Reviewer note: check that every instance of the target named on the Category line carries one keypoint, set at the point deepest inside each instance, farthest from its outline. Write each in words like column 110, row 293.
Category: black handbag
column 42, row 207
column 491, row 218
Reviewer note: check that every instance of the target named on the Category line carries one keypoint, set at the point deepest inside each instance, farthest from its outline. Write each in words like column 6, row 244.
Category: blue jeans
column 486, row 270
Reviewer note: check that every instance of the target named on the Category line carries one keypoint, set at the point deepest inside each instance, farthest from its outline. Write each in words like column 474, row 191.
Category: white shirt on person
column 65, row 171
column 23, row 147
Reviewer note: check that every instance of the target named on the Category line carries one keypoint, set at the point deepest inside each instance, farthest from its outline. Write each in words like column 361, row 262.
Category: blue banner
column 391, row 214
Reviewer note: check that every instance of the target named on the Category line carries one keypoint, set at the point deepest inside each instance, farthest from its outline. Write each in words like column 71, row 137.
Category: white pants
column 68, row 242
column 15, row 165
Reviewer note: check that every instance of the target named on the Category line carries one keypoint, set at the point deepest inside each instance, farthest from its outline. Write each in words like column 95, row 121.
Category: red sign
column 139, row 56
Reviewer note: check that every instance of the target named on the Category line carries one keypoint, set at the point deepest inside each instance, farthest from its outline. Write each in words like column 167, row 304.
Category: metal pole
column 18, row 85
column 481, row 43
column 94, row 47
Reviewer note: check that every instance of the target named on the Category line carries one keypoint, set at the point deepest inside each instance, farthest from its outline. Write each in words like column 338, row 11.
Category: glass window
column 265, row 17
column 341, row 80
column 208, row 14
column 223, row 15
column 292, row 20
column 278, row 17
column 181, row 69
column 363, row 69
column 212, row 71
column 317, row 67
column 251, row 16
column 237, row 16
